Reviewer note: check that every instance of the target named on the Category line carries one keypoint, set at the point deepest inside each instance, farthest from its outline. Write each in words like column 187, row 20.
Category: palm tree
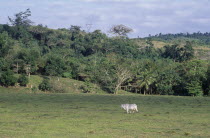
column 146, row 80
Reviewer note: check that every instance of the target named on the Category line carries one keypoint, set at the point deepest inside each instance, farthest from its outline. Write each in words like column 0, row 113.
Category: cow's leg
column 132, row 111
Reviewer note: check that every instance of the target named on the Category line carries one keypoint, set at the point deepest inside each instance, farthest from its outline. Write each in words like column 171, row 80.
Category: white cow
column 129, row 107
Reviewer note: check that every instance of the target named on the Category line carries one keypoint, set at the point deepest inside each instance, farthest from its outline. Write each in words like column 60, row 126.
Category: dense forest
column 113, row 63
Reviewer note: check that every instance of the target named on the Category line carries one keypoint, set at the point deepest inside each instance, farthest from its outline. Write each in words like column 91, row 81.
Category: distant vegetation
column 113, row 63
column 197, row 37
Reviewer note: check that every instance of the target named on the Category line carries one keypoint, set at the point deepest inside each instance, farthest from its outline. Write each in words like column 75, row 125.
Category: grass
column 70, row 85
column 99, row 115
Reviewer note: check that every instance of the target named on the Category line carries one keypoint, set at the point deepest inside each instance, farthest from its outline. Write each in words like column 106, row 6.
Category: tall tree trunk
column 17, row 68
column 116, row 89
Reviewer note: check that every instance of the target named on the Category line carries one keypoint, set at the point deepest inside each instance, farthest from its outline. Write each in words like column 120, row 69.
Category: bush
column 7, row 79
column 23, row 80
column 87, row 87
column 52, row 85
column 45, row 85
column 67, row 75
column 194, row 88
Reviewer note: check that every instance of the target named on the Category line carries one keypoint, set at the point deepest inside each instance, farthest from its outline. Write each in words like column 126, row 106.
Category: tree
column 191, row 73
column 26, row 61
column 4, row 65
column 179, row 53
column 167, row 77
column 146, row 76
column 75, row 28
column 146, row 80
column 20, row 25
column 120, row 30
column 6, row 44
column 23, row 80
column 7, row 78
column 207, row 82
column 187, row 52
column 171, row 52
column 105, row 74
column 21, row 19
column 122, row 75
column 194, row 88
column 55, row 66
column 94, row 42
column 149, row 42
column 40, row 33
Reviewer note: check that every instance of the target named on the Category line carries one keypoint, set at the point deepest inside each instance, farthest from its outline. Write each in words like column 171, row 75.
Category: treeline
column 196, row 37
column 113, row 63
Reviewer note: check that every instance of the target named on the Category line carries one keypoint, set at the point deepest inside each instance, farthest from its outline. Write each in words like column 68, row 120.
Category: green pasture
column 90, row 115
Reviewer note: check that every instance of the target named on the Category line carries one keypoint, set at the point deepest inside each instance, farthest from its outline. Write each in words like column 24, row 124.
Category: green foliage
column 67, row 75
column 194, row 88
column 23, row 80
column 178, row 52
column 21, row 19
column 4, row 65
column 45, row 85
column 6, row 44
column 196, row 37
column 206, row 82
column 7, row 78
column 55, row 66
column 52, row 85
column 187, row 52
column 113, row 63
column 87, row 87
column 167, row 77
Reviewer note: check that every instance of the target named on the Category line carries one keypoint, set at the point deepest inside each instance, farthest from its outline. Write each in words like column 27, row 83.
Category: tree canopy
column 93, row 57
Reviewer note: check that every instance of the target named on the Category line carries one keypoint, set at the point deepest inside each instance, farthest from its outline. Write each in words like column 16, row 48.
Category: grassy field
column 87, row 115
column 66, row 84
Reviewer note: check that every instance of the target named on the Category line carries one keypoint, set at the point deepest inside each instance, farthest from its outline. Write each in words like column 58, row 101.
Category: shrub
column 23, row 80
column 194, row 88
column 67, row 75
column 45, row 85
column 87, row 87
column 7, row 79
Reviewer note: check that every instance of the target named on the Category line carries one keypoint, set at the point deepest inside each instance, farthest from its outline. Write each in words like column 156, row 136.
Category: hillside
column 200, row 42
column 60, row 85
column 156, row 66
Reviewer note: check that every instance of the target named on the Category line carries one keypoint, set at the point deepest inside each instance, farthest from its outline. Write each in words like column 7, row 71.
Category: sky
column 143, row 16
